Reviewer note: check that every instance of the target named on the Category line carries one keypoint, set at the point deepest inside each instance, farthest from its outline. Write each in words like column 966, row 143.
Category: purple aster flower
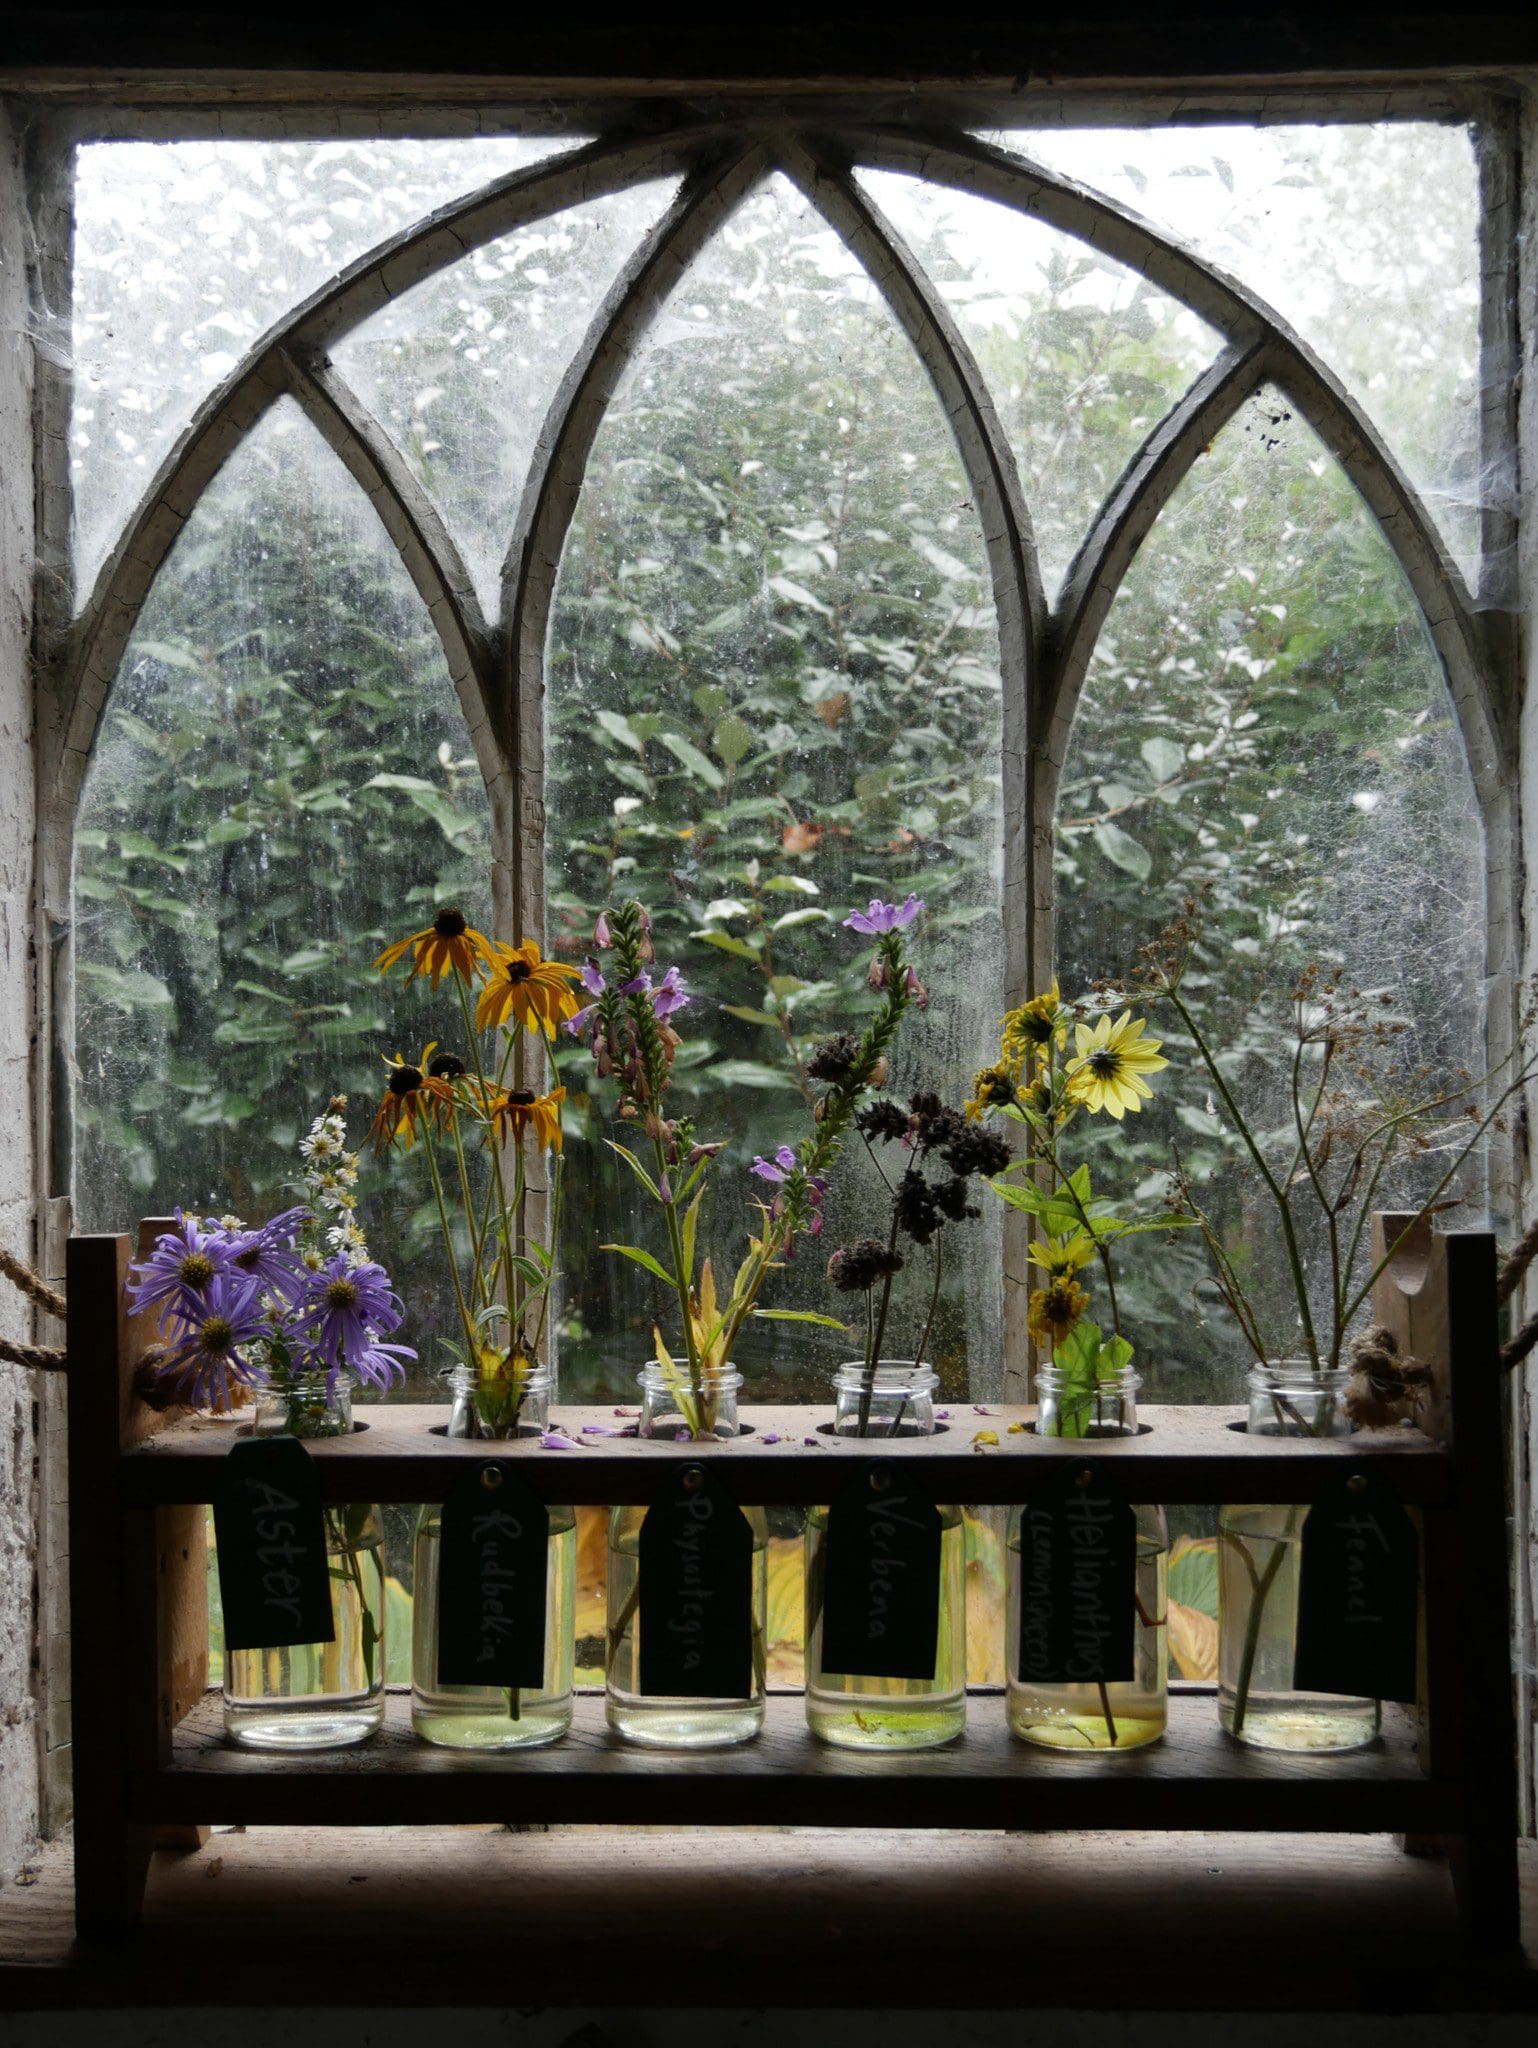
column 883, row 917
column 774, row 1169
column 267, row 1255
column 208, row 1352
column 670, row 994
column 178, row 1276
column 346, row 1310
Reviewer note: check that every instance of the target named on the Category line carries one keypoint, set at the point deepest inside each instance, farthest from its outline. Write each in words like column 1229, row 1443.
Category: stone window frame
column 497, row 665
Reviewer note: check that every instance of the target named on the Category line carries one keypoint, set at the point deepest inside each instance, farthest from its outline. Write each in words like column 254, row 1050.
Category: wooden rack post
column 149, row 1748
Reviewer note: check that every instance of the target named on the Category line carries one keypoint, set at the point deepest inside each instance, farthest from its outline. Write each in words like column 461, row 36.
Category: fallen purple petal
column 980, row 1411
column 813, row 1443
column 552, row 1440
column 771, row 1436
column 942, row 1415
column 599, row 1429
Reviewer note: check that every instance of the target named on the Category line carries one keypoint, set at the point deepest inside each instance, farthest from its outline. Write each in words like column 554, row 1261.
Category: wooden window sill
column 606, row 1917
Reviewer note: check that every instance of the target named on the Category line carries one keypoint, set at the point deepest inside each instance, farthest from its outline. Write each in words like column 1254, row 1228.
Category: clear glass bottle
column 1259, row 1549
column 484, row 1716
column 317, row 1695
column 1127, row 1713
column 670, row 1408
column 855, row 1711
column 650, row 1720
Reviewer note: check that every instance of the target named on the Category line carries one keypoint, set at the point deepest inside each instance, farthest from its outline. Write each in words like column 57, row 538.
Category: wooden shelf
column 1195, row 1777
column 1184, row 1455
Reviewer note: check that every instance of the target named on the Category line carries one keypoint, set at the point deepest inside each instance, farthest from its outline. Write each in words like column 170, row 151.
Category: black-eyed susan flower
column 1032, row 1028
column 450, row 941
column 1055, row 1309
column 1110, row 1063
column 1062, row 1255
column 993, row 1088
column 517, row 1110
column 534, row 991
column 412, row 1093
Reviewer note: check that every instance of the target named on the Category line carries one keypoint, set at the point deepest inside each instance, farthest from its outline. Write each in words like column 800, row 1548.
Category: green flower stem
column 465, row 1315
column 1260, row 1591
column 473, row 1038
column 1284, row 1212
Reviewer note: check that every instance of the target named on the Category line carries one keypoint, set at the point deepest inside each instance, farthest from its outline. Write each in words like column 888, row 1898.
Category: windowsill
column 589, row 1917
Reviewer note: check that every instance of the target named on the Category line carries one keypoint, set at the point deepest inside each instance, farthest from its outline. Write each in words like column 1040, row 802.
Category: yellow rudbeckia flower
column 1062, row 1255
column 1110, row 1063
column 450, row 941
column 535, row 991
column 1055, row 1309
column 519, row 1109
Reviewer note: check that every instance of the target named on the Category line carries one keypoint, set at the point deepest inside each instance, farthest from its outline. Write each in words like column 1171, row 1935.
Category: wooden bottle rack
column 150, row 1762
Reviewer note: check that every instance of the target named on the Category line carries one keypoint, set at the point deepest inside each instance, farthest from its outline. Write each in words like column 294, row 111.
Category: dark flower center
column 520, row 1098
column 446, row 1066
column 518, row 970
column 216, row 1334
column 1106, row 1063
column 451, row 924
column 342, row 1294
column 404, row 1080
column 197, row 1269
column 248, row 1259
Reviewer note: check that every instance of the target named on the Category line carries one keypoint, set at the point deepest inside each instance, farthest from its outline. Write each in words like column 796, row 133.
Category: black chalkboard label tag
column 1358, row 1594
column 495, row 1535
column 1078, row 1586
column 695, row 1609
column 881, row 1578
column 270, row 1533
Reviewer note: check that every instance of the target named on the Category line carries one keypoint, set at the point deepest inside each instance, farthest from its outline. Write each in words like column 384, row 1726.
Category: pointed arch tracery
column 498, row 667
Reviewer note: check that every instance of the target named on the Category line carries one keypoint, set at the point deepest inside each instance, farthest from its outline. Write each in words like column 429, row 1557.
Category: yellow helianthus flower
column 450, row 941
column 519, row 1109
column 1062, row 1256
column 1110, row 1064
column 535, row 990
column 412, row 1094
column 1055, row 1309
column 1033, row 1026
column 993, row 1088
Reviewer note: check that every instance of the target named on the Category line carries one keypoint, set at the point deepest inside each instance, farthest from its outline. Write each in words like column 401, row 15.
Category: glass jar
column 1259, row 1553
column 902, row 1400
column 1123, row 1714
column 671, row 1409
column 650, row 1720
column 854, row 1711
column 317, row 1695
column 485, row 1716
column 1065, row 1407
column 508, row 1397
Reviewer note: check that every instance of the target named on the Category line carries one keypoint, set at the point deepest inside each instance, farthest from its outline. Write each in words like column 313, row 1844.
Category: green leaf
column 1164, row 759
column 636, row 1168
column 732, row 740
column 814, row 915
column 631, row 1251
column 726, row 944
column 1123, row 851
column 699, row 765
column 797, row 1315
column 691, row 1225
column 620, row 729
column 749, row 1074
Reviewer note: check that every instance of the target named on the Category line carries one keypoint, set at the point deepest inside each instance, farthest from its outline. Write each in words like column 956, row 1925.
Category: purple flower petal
column 592, row 978
column 980, row 1411
column 813, row 1443
column 599, row 1429
column 765, row 1169
column 552, row 1440
column 942, row 1415
column 771, row 1436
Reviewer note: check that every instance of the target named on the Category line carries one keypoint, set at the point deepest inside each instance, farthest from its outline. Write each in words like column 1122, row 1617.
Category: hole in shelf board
column 525, row 1429
column 633, row 1431
column 1093, row 1436
column 357, row 1430
column 904, row 1436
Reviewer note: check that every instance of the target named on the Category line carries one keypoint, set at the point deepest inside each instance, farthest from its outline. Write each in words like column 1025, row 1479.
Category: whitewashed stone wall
column 19, row 1063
